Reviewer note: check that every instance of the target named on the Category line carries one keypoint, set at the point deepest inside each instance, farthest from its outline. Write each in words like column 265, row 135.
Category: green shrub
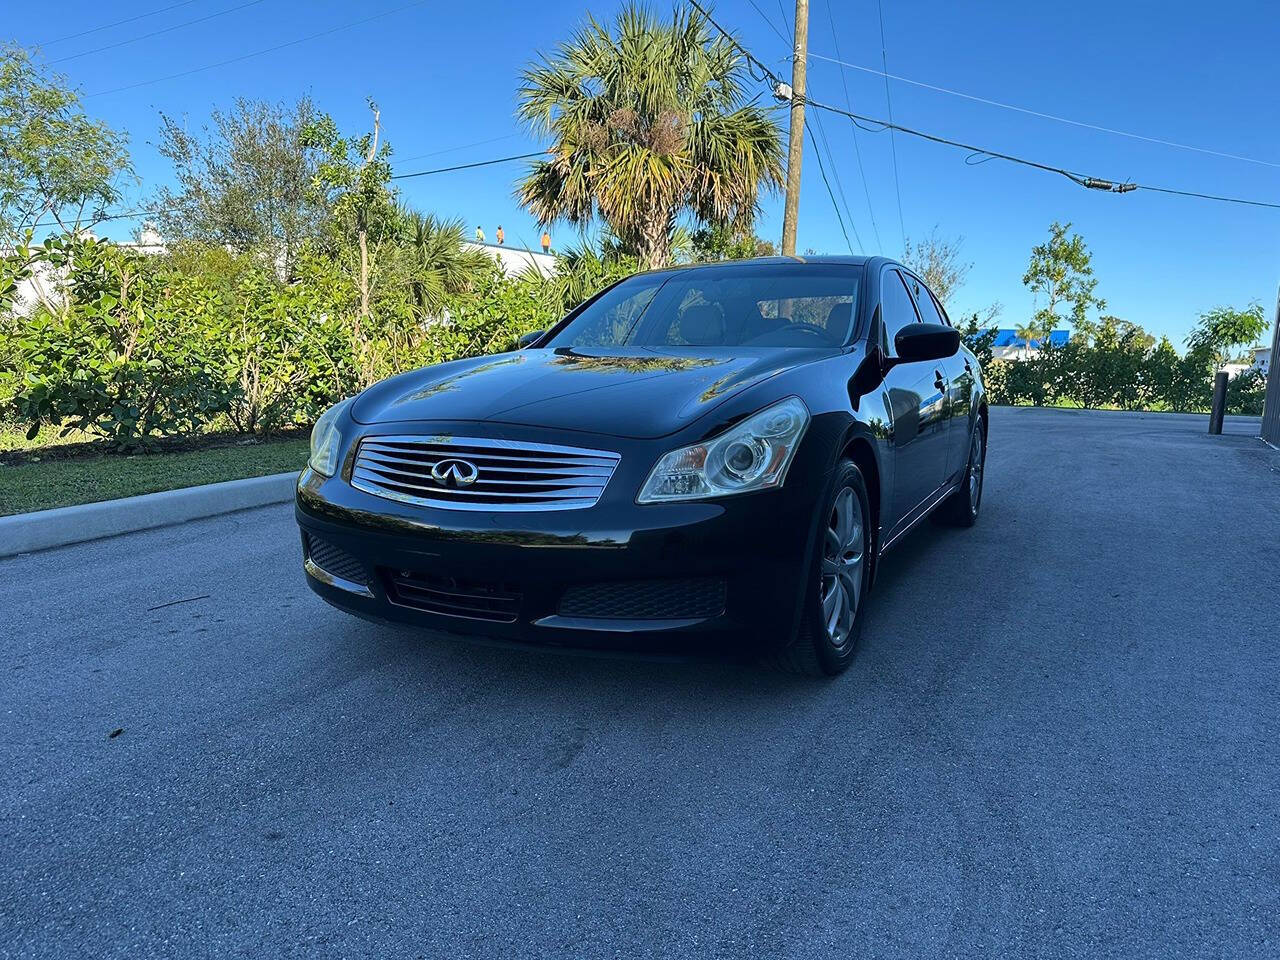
column 113, row 359
column 1246, row 392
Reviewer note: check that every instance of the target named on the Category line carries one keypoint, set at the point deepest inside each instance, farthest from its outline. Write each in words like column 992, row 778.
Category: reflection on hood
column 629, row 392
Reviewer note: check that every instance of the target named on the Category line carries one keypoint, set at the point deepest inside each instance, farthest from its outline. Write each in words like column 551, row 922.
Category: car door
column 964, row 387
column 958, row 371
column 916, row 399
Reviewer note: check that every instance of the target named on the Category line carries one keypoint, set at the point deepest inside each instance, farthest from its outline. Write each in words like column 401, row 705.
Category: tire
column 962, row 507
column 835, row 571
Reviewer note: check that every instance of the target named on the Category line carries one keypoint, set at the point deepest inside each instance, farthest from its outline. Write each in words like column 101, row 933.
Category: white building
column 1262, row 359
column 1261, row 362
column 1008, row 346
column 515, row 260
column 43, row 286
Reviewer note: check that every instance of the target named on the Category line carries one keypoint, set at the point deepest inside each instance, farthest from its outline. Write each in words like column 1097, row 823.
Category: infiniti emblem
column 454, row 473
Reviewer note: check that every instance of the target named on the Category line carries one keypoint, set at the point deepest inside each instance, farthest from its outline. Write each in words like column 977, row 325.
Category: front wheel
column 840, row 576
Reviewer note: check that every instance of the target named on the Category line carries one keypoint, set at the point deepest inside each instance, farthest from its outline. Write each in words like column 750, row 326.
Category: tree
column 1116, row 329
column 937, row 260
column 584, row 270
column 1027, row 332
column 438, row 265
column 244, row 181
column 353, row 180
column 1110, row 370
column 1062, row 272
column 649, row 122
column 1223, row 330
column 980, row 336
column 58, row 167
column 710, row 244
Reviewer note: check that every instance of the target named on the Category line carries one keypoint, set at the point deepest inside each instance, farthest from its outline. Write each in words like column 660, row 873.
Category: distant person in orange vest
column 501, row 236
column 479, row 235
column 546, row 242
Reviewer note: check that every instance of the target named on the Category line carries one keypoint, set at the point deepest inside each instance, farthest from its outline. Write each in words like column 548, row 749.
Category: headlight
column 325, row 440
column 751, row 455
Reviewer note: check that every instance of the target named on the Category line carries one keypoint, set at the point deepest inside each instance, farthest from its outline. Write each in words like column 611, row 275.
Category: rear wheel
column 961, row 508
column 840, row 576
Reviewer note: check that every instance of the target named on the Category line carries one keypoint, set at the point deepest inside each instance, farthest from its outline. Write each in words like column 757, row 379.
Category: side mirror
column 925, row 341
column 529, row 338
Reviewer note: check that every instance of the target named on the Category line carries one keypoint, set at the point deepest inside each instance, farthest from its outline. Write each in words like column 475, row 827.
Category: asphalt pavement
column 1059, row 739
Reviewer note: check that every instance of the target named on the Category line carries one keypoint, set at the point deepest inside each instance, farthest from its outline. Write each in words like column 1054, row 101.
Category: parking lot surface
column 1059, row 739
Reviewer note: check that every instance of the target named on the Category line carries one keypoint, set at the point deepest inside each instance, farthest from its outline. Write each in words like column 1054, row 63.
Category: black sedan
column 707, row 457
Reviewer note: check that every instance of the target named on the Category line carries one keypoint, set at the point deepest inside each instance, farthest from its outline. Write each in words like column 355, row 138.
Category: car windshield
column 746, row 305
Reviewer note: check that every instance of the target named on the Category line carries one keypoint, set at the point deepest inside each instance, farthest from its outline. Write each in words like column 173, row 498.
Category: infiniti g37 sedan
column 703, row 458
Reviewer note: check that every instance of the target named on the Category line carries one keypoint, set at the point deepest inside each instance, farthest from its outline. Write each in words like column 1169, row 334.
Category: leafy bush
column 1246, row 393
column 1122, row 375
column 114, row 359
column 132, row 347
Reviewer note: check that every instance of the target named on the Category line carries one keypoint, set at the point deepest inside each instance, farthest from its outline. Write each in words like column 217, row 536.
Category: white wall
column 514, row 260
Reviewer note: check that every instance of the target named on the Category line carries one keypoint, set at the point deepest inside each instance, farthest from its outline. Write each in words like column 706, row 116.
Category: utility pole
column 1271, row 403
column 795, row 145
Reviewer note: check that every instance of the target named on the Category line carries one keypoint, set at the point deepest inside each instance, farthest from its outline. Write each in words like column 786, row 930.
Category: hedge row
column 135, row 347
column 141, row 347
column 1121, row 375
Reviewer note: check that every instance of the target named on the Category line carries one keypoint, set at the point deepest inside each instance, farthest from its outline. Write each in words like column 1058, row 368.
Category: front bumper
column 752, row 547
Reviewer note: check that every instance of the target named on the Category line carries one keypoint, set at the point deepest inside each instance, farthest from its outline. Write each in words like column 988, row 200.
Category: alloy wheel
column 975, row 471
column 843, row 557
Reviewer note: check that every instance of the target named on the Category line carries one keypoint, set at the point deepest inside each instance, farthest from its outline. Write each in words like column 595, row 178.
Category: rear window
column 774, row 305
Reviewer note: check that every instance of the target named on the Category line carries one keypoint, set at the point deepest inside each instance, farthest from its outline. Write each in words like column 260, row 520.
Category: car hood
column 636, row 393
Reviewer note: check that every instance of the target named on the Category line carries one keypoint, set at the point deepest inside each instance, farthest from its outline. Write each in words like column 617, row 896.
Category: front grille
column 335, row 561
column 481, row 474
column 693, row 599
column 451, row 597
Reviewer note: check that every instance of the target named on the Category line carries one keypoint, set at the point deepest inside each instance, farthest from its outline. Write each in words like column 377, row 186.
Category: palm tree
column 1026, row 333
column 438, row 263
column 648, row 122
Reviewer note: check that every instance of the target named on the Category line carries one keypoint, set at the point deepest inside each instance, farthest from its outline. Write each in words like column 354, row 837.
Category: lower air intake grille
column 499, row 602
column 646, row 600
column 335, row 561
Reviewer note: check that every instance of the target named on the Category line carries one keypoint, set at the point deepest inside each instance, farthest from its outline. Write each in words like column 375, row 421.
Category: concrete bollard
column 1219, row 408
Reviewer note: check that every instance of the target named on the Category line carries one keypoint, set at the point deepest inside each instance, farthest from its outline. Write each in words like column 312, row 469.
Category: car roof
column 825, row 259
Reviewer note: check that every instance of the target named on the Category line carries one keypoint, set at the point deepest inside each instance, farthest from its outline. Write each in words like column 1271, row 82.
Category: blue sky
column 444, row 75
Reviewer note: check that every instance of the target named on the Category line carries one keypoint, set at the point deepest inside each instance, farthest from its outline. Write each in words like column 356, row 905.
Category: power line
column 1037, row 113
column 822, row 133
column 1092, row 183
column 116, row 23
column 258, row 53
column 893, row 142
column 123, row 215
column 464, row 146
column 772, row 26
column 469, row 166
column 151, row 211
column 853, row 129
column 823, row 170
column 155, row 33
column 835, row 171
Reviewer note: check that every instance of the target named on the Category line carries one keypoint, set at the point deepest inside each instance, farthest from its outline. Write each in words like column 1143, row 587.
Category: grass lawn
column 58, row 481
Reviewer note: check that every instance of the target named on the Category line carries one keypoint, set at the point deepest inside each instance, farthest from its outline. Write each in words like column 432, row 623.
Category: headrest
column 838, row 320
column 702, row 325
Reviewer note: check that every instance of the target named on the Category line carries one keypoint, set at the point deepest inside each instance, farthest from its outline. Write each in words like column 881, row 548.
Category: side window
column 896, row 309
column 924, row 301
column 942, row 311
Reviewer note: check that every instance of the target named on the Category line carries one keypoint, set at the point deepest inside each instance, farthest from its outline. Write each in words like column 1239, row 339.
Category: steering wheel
column 805, row 328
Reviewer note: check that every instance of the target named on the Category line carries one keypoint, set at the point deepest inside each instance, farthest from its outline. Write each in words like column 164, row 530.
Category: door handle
column 938, row 381
column 968, row 367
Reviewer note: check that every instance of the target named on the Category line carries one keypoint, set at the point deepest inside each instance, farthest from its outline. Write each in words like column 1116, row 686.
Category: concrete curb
column 27, row 532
